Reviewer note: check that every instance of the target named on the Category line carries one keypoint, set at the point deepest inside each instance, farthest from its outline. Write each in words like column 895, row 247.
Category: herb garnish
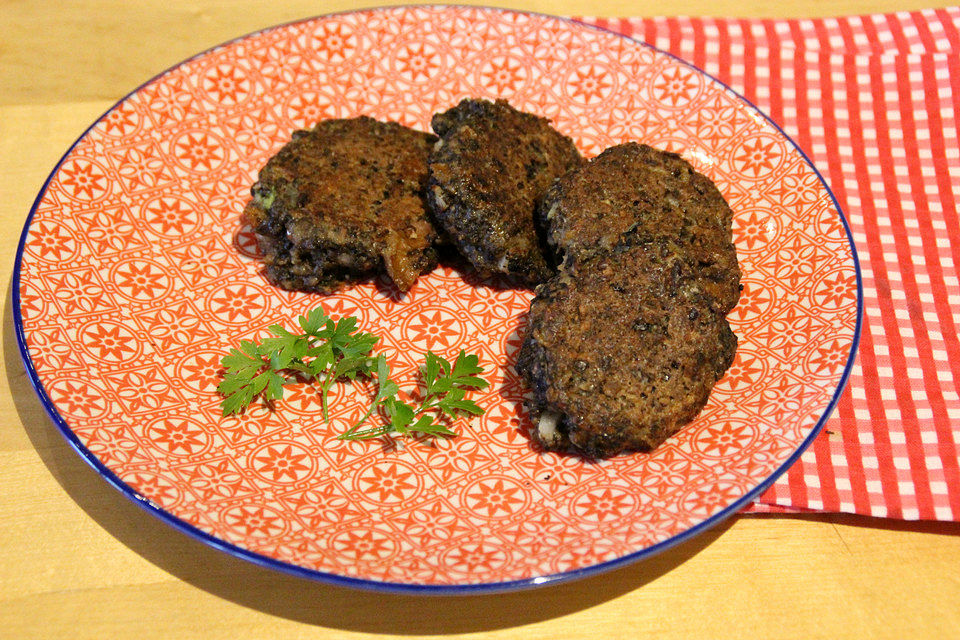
column 444, row 400
column 328, row 352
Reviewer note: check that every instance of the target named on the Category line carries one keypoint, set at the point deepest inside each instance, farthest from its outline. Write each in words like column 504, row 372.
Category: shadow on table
column 318, row 603
column 854, row 520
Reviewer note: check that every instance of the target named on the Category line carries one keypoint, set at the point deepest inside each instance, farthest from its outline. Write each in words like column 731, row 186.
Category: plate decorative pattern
column 135, row 276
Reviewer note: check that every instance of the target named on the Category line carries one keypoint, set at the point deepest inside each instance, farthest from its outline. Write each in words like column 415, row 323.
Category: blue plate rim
column 409, row 588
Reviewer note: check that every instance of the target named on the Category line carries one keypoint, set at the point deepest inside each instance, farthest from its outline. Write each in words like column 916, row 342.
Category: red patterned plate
column 134, row 276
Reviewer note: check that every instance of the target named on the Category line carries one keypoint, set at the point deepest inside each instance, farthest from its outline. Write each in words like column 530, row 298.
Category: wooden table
column 77, row 560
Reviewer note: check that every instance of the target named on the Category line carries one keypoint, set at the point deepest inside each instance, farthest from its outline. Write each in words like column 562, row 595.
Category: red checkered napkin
column 875, row 102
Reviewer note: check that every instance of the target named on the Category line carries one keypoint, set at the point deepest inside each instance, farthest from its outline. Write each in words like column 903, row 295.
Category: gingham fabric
column 875, row 102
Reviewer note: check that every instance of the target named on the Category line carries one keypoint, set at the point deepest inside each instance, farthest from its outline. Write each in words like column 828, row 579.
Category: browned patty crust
column 487, row 174
column 344, row 201
column 623, row 353
column 651, row 193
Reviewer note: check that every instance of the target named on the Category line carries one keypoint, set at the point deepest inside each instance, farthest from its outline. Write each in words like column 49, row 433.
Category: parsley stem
column 353, row 434
column 365, row 417
column 324, row 392
column 428, row 403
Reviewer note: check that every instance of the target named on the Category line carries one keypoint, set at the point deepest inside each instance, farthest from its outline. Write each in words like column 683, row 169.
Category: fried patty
column 653, row 194
column 624, row 352
column 343, row 201
column 487, row 174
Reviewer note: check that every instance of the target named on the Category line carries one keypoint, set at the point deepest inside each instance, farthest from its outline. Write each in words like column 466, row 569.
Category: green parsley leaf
column 401, row 415
column 326, row 351
column 313, row 322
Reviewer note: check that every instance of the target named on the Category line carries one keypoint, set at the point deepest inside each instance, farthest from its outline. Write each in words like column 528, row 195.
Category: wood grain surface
column 78, row 560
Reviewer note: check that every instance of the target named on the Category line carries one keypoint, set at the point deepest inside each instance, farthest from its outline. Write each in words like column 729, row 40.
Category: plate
column 134, row 277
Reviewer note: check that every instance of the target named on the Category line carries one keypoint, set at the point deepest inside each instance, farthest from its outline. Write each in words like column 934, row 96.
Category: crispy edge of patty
column 487, row 174
column 624, row 353
column 343, row 201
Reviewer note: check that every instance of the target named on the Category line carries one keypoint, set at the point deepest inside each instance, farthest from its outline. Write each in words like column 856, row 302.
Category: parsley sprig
column 329, row 351
column 446, row 386
column 326, row 351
